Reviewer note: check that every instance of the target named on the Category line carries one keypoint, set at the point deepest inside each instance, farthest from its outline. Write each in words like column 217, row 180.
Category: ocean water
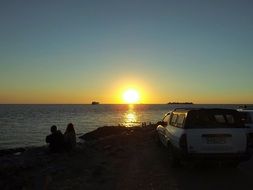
column 28, row 125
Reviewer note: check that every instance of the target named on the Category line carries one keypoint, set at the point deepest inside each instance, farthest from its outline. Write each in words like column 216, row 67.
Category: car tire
column 175, row 161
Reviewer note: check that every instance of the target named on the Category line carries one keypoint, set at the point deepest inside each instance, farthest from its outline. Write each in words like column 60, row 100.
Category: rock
column 102, row 132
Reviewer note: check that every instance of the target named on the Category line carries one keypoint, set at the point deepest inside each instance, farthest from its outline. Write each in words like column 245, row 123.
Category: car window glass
column 173, row 119
column 230, row 119
column 219, row 119
column 250, row 117
column 245, row 117
column 198, row 118
column 180, row 120
column 214, row 119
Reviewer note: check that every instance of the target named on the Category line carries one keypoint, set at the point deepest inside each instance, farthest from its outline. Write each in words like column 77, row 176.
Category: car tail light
column 183, row 142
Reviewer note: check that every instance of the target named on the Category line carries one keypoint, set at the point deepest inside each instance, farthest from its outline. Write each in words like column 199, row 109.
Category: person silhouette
column 70, row 137
column 55, row 140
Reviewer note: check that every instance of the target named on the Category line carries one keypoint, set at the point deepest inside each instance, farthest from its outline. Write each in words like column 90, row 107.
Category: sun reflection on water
column 130, row 117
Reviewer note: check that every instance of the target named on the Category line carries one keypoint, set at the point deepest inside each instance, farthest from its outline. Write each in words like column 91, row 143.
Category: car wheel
column 173, row 158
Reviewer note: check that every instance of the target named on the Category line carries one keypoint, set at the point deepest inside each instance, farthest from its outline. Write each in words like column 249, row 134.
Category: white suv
column 204, row 134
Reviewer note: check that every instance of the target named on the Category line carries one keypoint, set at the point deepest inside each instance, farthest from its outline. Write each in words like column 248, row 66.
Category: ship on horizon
column 180, row 103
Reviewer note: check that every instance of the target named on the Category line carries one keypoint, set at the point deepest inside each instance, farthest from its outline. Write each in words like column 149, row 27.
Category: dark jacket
column 56, row 141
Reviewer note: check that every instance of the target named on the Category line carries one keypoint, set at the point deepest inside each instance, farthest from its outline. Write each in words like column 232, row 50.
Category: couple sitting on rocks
column 59, row 142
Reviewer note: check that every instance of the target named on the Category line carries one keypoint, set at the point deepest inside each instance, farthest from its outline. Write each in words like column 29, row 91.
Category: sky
column 71, row 51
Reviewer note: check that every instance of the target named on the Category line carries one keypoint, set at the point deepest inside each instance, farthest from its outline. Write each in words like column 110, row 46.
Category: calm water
column 27, row 125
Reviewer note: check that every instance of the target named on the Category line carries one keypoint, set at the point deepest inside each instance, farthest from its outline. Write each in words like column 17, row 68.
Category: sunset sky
column 82, row 51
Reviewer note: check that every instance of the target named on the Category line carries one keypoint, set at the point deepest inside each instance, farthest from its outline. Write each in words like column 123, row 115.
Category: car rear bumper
column 185, row 155
column 218, row 157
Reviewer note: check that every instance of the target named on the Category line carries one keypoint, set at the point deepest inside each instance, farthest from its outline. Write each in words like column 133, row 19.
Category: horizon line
column 124, row 104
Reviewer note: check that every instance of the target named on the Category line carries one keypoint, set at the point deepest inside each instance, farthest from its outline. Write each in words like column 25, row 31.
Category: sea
column 28, row 125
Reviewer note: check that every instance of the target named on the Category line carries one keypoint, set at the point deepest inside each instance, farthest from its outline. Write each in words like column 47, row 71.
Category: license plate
column 215, row 140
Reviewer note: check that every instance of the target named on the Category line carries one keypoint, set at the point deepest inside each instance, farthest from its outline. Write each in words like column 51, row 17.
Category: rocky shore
column 95, row 164
column 113, row 157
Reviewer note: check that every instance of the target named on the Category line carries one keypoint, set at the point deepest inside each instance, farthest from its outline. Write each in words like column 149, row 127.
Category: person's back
column 55, row 140
column 70, row 137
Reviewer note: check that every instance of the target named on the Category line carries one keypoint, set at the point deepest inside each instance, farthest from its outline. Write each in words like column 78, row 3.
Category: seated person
column 70, row 137
column 55, row 140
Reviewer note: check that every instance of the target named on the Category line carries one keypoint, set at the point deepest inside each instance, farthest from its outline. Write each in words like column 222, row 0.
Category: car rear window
column 214, row 118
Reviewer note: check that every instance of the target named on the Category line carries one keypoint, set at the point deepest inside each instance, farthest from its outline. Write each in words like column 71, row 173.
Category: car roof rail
column 189, row 109
column 184, row 109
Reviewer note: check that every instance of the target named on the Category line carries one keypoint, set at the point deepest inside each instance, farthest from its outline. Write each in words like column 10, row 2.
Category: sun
column 131, row 96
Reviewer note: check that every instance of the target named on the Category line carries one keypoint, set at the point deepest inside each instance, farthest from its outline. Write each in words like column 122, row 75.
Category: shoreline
column 114, row 157
column 97, row 133
column 32, row 167
column 24, row 134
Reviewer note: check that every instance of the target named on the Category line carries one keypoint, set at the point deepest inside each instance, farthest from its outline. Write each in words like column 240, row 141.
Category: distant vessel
column 180, row 103
column 94, row 103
